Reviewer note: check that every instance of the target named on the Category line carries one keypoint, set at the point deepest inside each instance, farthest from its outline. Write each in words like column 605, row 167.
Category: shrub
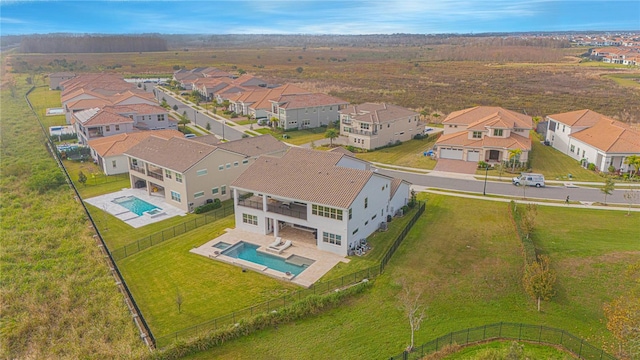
column 208, row 207
column 482, row 165
column 591, row 166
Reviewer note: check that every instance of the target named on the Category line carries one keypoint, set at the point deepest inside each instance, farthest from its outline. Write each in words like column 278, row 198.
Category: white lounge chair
column 276, row 242
column 281, row 248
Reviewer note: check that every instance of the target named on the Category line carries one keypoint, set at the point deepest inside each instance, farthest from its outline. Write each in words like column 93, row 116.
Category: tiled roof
column 120, row 143
column 299, row 101
column 395, row 185
column 120, row 97
column 176, row 153
column 377, row 113
column 472, row 115
column 97, row 117
column 610, row 136
column 342, row 150
column 306, row 175
column 461, row 138
column 142, row 109
column 62, row 74
column 206, row 139
column 254, row 146
column 577, row 118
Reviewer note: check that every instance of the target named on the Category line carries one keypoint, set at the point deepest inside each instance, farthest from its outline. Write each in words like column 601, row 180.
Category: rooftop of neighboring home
column 142, row 109
column 461, row 138
column 206, row 139
column 377, row 113
column 62, row 74
column 611, row 136
column 120, row 143
column 95, row 117
column 300, row 101
column 259, row 98
column 579, row 118
column 487, row 115
column 254, row 146
column 306, row 175
column 342, row 150
column 106, row 84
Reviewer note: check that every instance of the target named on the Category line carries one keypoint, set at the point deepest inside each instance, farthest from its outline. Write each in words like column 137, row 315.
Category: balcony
column 274, row 206
column 155, row 175
column 255, row 204
column 137, row 168
column 364, row 132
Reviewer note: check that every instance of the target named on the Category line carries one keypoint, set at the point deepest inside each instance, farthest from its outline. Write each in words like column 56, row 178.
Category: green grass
column 209, row 288
column 59, row 298
column 555, row 165
column 629, row 80
column 295, row 137
column 42, row 98
column 465, row 256
column 500, row 349
column 409, row 154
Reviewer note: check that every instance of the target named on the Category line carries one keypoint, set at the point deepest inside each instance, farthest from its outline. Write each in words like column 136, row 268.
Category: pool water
column 135, row 205
column 221, row 245
column 248, row 252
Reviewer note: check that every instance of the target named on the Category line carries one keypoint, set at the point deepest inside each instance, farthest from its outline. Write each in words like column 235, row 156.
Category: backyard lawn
column 409, row 153
column 42, row 98
column 295, row 137
column 469, row 277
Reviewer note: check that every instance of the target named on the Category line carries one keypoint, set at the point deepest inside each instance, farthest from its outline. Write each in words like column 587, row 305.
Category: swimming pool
column 135, row 205
column 248, row 252
column 55, row 111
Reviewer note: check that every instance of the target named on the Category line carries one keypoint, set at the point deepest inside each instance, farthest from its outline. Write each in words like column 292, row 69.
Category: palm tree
column 331, row 134
column 514, row 155
column 274, row 121
column 633, row 161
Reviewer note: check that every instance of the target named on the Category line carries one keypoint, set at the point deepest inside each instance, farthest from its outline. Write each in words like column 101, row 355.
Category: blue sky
column 316, row 17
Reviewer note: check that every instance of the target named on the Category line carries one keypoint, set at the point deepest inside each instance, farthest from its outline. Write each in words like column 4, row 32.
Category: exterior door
column 473, row 155
column 455, row 154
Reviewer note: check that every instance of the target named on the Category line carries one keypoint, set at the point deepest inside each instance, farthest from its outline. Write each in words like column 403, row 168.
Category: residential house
column 335, row 196
column 304, row 111
column 370, row 126
column 56, row 78
column 485, row 133
column 257, row 102
column 108, row 152
column 590, row 137
column 190, row 173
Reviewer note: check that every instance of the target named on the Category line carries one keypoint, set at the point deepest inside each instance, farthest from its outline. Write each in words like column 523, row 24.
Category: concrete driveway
column 456, row 166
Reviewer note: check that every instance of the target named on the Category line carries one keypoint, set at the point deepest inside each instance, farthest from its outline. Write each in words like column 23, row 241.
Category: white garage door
column 473, row 155
column 448, row 153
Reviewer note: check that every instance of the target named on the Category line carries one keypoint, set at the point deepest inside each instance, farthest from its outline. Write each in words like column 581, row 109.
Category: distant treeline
column 91, row 44
column 272, row 40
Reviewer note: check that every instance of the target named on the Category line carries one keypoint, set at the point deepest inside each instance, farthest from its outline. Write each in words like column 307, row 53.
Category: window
column 235, row 164
column 366, row 202
column 331, row 238
column 215, row 191
column 563, row 128
column 201, row 172
column 179, row 177
column 175, row 196
column 228, row 166
column 355, row 231
column 161, row 117
column 573, row 148
column 245, row 161
column 330, row 107
column 477, row 134
column 221, row 167
column 326, row 211
column 167, row 173
column 374, row 216
column 113, row 163
column 364, row 126
column 401, row 132
column 134, row 162
column 350, row 214
column 250, row 219
column 497, row 132
column 199, row 194
column 366, row 223
column 117, row 127
column 223, row 190
column 108, row 128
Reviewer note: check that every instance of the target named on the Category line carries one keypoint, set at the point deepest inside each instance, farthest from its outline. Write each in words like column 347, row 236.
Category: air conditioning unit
column 399, row 212
column 383, row 226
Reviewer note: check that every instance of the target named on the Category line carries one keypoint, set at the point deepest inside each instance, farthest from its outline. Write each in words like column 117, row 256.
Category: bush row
column 208, row 207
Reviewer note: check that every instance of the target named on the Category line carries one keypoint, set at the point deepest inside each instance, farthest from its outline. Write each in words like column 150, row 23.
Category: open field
column 295, row 137
column 469, row 278
column 59, row 299
column 500, row 349
column 42, row 98
column 409, row 153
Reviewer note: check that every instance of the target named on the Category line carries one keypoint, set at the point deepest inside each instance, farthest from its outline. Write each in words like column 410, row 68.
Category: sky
column 316, row 17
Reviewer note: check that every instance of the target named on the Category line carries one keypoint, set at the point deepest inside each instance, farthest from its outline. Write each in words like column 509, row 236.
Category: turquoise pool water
column 248, row 252
column 134, row 204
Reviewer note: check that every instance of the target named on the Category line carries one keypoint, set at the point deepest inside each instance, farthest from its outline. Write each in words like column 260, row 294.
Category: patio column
column 276, row 227
column 264, row 203
column 235, row 198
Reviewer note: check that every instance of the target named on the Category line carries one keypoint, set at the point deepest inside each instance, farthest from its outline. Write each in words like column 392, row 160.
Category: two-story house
column 370, row 126
column 485, row 133
column 56, row 78
column 330, row 194
column 190, row 173
column 304, row 111
column 590, row 137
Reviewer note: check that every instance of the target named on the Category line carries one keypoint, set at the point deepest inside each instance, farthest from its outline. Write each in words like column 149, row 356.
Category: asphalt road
column 201, row 119
column 557, row 192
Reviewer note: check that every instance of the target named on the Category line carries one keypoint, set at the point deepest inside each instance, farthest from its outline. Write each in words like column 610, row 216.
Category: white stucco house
column 590, row 137
column 335, row 196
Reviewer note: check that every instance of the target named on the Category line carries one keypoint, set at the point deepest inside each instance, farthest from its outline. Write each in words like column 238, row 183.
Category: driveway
column 456, row 166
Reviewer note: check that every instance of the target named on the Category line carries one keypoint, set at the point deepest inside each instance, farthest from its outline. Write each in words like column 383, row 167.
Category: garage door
column 473, row 155
column 448, row 153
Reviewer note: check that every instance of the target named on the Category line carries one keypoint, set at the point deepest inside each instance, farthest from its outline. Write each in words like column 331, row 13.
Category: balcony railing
column 250, row 203
column 137, row 168
column 155, row 175
column 364, row 132
column 278, row 207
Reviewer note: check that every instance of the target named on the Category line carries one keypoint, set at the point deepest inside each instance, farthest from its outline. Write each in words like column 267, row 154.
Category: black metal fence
column 509, row 331
column 166, row 234
column 138, row 319
column 317, row 288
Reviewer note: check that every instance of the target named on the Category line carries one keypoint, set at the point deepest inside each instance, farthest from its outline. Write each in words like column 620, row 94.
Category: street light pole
column 223, row 123
column 195, row 116
column 486, row 172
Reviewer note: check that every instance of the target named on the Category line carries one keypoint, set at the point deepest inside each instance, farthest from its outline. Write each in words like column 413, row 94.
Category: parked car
column 189, row 136
column 428, row 129
column 529, row 179
column 263, row 121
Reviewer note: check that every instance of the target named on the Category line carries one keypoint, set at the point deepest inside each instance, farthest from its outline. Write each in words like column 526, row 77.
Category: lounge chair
column 276, row 242
column 281, row 248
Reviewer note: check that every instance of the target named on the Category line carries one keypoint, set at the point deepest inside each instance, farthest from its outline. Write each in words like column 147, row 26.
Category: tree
column 539, row 279
column 631, row 196
column 529, row 219
column 623, row 316
column 175, row 107
column 184, row 120
column 82, row 178
column 634, row 162
column 331, row 134
column 414, row 310
column 607, row 188
column 179, row 300
column 274, row 121
column 514, row 155
column 208, row 127
column 500, row 169
column 299, row 69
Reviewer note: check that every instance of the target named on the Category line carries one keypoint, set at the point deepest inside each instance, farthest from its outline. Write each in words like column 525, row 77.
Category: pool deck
column 324, row 261
column 105, row 203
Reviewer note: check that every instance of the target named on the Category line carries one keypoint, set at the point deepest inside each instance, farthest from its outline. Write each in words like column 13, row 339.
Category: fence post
column 500, row 331
column 484, row 333
column 540, row 334
column 520, row 332
column 580, row 353
column 468, row 329
column 437, row 343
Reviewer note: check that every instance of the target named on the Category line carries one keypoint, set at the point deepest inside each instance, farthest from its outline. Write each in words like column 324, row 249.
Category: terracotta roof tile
column 176, row 153
column 479, row 113
column 610, row 136
column 377, row 113
column 120, row 143
column 462, row 139
column 577, row 118
column 254, row 146
column 298, row 101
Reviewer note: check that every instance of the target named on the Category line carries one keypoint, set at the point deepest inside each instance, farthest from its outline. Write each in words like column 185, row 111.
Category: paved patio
column 303, row 245
column 105, row 203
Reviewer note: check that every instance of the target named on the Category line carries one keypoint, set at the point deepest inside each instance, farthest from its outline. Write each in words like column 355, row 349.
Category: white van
column 530, row 179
